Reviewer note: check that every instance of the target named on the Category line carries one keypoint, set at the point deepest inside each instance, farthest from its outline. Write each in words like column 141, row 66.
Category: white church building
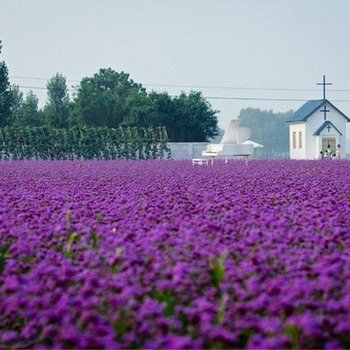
column 314, row 127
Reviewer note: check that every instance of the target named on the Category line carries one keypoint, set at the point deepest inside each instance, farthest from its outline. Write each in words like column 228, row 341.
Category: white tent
column 255, row 144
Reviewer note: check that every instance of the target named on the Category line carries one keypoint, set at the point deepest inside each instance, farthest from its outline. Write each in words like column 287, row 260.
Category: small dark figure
column 321, row 155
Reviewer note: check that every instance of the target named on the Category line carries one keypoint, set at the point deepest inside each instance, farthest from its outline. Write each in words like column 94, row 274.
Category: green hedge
column 83, row 143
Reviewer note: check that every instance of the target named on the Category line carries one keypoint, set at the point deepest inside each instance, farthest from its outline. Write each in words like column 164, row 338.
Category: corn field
column 83, row 143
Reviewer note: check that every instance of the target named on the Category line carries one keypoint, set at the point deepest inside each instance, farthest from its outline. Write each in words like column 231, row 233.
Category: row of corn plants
column 83, row 143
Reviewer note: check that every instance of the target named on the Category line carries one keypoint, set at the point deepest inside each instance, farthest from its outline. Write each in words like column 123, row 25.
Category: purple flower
column 159, row 254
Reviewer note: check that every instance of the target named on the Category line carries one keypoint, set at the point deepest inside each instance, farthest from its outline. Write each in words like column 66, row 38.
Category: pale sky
column 286, row 44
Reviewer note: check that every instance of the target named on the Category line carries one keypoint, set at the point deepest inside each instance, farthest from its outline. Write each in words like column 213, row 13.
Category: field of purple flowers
column 160, row 254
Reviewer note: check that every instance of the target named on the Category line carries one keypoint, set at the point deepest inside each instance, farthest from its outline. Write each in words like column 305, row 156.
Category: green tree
column 112, row 99
column 56, row 110
column 17, row 101
column 27, row 112
column 163, row 111
column 187, row 117
column 102, row 100
column 5, row 93
column 138, row 110
column 194, row 119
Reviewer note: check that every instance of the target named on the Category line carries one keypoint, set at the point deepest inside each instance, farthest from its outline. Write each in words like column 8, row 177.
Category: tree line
column 111, row 99
column 108, row 99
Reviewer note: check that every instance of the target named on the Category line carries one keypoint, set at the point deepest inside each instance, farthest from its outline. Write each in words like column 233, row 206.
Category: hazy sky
column 286, row 44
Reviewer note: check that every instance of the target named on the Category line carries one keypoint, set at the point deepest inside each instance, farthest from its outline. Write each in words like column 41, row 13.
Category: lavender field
column 160, row 254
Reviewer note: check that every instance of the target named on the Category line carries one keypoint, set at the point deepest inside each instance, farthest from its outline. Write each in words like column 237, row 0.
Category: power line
column 229, row 87
column 38, row 78
column 199, row 86
column 238, row 98
column 38, row 88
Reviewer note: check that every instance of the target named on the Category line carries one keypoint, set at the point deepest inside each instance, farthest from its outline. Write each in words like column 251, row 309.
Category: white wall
column 347, row 149
column 187, row 150
column 297, row 153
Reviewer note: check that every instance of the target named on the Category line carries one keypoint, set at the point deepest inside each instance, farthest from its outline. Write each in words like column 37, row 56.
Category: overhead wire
column 240, row 98
column 200, row 86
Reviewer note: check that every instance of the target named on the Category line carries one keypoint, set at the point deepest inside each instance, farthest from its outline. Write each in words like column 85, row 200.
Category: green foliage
column 294, row 334
column 187, row 117
column 108, row 99
column 217, row 271
column 25, row 112
column 95, row 238
column 168, row 298
column 222, row 310
column 121, row 325
column 112, row 99
column 17, row 101
column 102, row 99
column 83, row 143
column 72, row 240
column 5, row 93
column 139, row 110
column 268, row 128
column 3, row 257
column 196, row 119
column 56, row 110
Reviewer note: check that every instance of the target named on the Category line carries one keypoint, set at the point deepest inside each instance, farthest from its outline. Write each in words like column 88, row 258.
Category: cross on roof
column 329, row 128
column 324, row 86
column 325, row 111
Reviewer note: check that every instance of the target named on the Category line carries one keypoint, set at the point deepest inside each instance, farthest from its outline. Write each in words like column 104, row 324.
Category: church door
column 328, row 141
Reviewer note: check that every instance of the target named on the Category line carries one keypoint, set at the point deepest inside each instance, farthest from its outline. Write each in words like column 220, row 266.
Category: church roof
column 309, row 108
column 324, row 125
